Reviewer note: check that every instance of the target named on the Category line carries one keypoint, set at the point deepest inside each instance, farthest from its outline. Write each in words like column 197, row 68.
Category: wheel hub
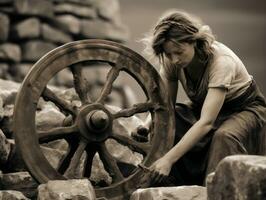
column 95, row 122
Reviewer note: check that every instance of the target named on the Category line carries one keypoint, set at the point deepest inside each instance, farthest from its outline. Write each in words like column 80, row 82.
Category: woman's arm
column 210, row 110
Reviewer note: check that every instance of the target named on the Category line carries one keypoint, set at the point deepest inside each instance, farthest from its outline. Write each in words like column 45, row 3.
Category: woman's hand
column 160, row 169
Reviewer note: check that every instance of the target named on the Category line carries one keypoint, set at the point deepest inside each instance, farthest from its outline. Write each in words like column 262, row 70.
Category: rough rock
column 2, row 112
column 103, row 30
column 4, row 70
column 26, row 29
column 110, row 12
column 40, row 8
column 15, row 162
column 78, row 2
column 20, row 71
column 78, row 189
column 4, row 24
column 33, row 50
column 69, row 23
column 171, row 193
column 55, row 152
column 238, row 177
column 55, row 35
column 5, row 148
column 49, row 117
column 99, row 176
column 8, row 91
column 20, row 181
column 1, row 177
column 123, row 153
column 12, row 195
column 10, row 52
column 75, row 9
column 7, row 120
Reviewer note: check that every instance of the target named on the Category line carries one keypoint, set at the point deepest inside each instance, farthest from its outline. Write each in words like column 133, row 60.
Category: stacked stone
column 30, row 28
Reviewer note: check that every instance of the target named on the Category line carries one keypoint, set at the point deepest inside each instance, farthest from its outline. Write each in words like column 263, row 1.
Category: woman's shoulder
column 221, row 49
column 223, row 53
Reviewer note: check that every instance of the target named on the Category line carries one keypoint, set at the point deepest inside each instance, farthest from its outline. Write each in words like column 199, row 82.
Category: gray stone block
column 35, row 49
column 74, row 9
column 109, row 10
column 20, row 181
column 79, row 189
column 78, row 2
column 10, row 52
column 40, row 8
column 12, row 195
column 171, row 193
column 69, row 23
column 26, row 29
column 5, row 148
column 3, row 70
column 4, row 24
column 239, row 177
column 103, row 30
column 55, row 35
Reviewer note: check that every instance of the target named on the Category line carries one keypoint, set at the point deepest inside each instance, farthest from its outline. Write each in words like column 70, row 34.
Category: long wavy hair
column 179, row 26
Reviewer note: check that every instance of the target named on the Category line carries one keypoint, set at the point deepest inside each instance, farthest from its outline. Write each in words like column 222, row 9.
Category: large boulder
column 55, row 35
column 10, row 52
column 8, row 91
column 238, row 177
column 20, row 181
column 33, row 50
column 28, row 28
column 171, row 193
column 78, row 189
column 5, row 148
column 12, row 195
column 75, row 9
column 4, row 24
column 40, row 8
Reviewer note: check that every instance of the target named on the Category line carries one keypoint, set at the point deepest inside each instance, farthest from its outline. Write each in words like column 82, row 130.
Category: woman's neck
column 196, row 67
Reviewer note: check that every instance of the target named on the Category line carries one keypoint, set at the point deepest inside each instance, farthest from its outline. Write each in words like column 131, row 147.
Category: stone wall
column 30, row 28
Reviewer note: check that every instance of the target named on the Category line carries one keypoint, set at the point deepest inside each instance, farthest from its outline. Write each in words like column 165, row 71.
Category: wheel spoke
column 70, row 172
column 137, row 108
column 56, row 133
column 142, row 148
column 73, row 143
column 63, row 105
column 80, row 83
column 111, row 77
column 91, row 150
column 110, row 164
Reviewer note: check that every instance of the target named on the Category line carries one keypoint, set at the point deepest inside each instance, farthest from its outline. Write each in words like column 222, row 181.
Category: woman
column 227, row 110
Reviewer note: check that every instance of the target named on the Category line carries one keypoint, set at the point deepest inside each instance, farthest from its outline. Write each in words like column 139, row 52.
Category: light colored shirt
column 225, row 70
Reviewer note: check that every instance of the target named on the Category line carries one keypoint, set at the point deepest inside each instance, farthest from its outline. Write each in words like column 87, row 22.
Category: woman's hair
column 179, row 26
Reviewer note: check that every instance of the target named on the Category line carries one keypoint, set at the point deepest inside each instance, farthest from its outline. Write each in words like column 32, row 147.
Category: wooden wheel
column 92, row 124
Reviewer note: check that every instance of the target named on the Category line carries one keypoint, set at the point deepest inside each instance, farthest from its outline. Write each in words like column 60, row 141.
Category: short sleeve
column 222, row 72
column 169, row 72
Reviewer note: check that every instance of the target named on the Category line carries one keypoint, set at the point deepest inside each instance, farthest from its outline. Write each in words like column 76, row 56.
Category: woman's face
column 180, row 54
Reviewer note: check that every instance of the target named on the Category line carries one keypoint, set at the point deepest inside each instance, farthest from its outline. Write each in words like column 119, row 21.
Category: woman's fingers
column 157, row 177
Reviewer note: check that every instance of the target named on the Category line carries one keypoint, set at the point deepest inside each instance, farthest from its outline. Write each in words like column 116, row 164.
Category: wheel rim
column 121, row 59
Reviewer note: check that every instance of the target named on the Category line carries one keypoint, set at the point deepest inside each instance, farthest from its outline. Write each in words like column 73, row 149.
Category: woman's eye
column 178, row 52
